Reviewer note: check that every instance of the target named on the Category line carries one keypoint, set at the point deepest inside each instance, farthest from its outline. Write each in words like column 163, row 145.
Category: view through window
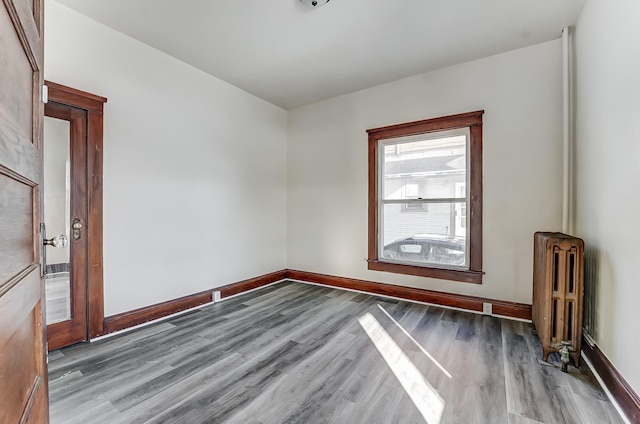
column 420, row 175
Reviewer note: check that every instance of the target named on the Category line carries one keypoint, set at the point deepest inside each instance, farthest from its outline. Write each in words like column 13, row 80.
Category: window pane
column 425, row 168
column 434, row 236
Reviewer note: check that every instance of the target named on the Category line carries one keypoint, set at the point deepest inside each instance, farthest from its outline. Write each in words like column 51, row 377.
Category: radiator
column 558, row 290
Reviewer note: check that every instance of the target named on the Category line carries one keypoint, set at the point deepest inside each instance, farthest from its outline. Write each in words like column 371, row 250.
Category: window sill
column 464, row 276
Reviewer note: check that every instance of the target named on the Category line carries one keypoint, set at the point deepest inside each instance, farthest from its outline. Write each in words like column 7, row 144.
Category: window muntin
column 412, row 190
column 433, row 169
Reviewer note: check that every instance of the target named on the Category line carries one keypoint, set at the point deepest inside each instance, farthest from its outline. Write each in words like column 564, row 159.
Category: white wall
column 327, row 166
column 608, row 171
column 194, row 168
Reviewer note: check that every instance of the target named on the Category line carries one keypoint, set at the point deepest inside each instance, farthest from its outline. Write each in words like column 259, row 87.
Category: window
column 433, row 169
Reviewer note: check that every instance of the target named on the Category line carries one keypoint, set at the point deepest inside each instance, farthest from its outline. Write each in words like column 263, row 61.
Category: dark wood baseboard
column 252, row 283
column 159, row 310
column 625, row 396
column 471, row 303
column 148, row 313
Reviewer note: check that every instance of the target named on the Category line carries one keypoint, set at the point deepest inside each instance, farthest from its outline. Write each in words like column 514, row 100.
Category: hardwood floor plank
column 525, row 385
column 83, row 353
column 541, row 392
column 518, row 419
column 299, row 353
column 488, row 384
column 149, row 408
column 83, row 391
column 95, row 412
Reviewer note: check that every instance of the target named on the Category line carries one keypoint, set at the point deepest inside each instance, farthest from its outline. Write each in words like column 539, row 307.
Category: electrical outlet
column 487, row 308
column 216, row 296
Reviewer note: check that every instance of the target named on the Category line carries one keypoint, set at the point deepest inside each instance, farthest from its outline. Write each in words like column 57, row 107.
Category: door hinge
column 45, row 94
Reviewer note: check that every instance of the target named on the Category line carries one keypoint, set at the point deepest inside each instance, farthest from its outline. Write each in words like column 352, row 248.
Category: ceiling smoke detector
column 314, row 3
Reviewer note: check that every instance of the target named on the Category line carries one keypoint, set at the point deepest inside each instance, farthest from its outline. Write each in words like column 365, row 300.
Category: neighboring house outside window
column 425, row 198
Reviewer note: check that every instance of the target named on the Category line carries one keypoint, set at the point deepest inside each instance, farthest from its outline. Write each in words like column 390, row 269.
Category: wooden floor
column 296, row 353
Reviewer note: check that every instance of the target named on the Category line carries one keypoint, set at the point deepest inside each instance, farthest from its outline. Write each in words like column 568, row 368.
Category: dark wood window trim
column 93, row 105
column 471, row 120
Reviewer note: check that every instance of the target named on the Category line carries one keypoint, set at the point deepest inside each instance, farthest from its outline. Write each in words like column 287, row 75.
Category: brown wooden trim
column 58, row 335
column 624, row 395
column 463, row 276
column 93, row 106
column 70, row 96
column 471, row 303
column 77, row 330
column 74, row 330
column 510, row 309
column 372, row 224
column 252, row 283
column 159, row 310
column 475, row 201
column 472, row 120
column 95, row 272
column 428, row 125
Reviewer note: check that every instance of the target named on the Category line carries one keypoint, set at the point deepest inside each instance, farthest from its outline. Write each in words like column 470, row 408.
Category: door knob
column 60, row 241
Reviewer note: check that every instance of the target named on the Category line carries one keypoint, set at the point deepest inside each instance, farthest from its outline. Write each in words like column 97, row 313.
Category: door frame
column 93, row 105
column 74, row 329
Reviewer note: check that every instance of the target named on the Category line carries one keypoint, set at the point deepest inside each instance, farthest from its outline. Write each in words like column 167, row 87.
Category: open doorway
column 72, row 204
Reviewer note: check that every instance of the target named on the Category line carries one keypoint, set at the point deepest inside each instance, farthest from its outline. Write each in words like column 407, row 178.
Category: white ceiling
column 291, row 54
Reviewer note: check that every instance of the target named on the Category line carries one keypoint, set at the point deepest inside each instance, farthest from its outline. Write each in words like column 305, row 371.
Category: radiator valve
column 564, row 355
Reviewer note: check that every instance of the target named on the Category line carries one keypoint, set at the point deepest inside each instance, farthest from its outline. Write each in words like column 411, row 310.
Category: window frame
column 470, row 120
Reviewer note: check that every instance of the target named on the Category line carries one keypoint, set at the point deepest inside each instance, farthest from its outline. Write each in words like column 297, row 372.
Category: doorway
column 72, row 203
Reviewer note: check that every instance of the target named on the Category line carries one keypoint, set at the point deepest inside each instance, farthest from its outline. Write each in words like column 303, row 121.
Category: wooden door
column 23, row 370
column 73, row 327
column 84, row 113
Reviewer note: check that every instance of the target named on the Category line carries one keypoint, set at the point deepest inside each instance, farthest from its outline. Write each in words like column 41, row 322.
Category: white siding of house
column 435, row 218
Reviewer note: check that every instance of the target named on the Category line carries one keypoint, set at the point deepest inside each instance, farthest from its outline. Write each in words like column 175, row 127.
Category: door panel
column 20, row 353
column 15, row 227
column 16, row 78
column 74, row 329
column 23, row 392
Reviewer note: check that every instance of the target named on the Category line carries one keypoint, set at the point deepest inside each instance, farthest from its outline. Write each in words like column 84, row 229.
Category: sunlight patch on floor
column 435, row 362
column 423, row 395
